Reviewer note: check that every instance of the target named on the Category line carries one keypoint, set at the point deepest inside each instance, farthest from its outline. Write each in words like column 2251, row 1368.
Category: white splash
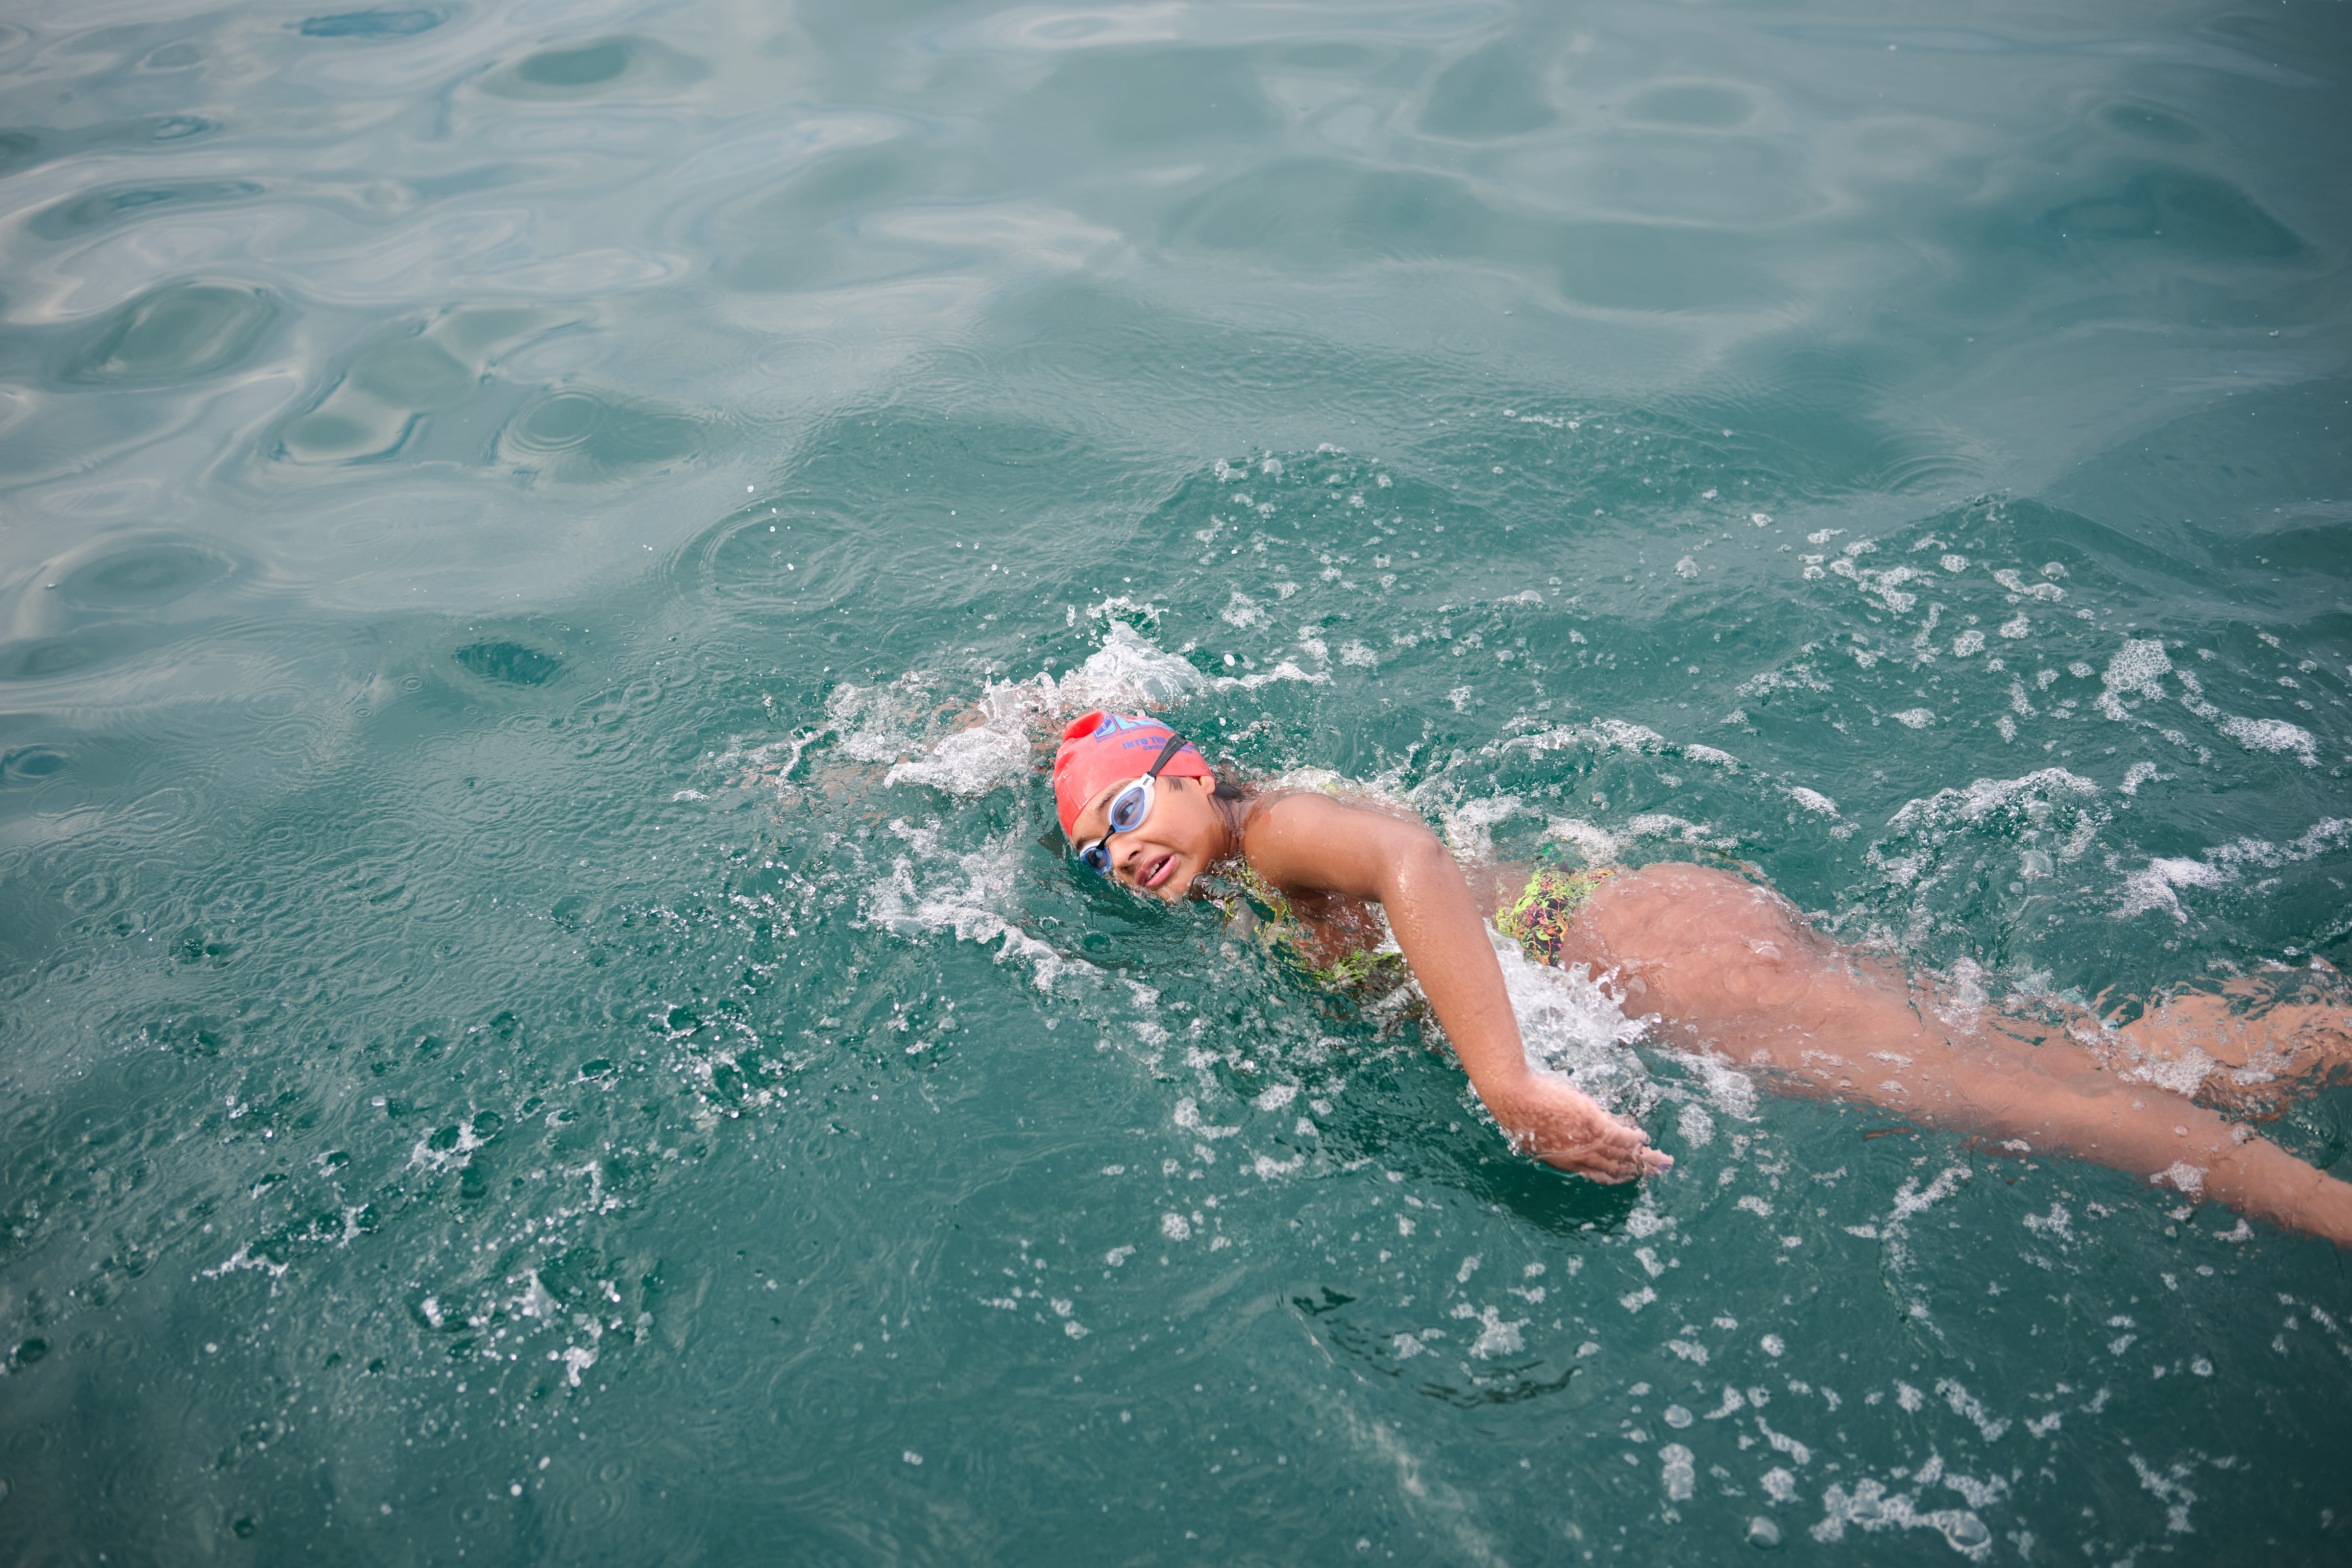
column 1128, row 672
column 2152, row 887
column 968, row 901
column 1985, row 797
column 969, row 762
column 1469, row 826
column 1571, row 1024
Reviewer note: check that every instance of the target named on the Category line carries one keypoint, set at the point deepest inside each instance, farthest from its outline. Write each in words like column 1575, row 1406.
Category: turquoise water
column 536, row 1033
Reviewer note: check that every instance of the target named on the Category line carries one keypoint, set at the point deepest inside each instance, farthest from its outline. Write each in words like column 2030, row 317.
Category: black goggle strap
column 1167, row 754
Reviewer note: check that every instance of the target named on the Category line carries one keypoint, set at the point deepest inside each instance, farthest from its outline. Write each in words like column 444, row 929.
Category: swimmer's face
column 1162, row 855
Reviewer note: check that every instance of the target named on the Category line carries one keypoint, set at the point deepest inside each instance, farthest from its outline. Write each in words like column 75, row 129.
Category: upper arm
column 1311, row 843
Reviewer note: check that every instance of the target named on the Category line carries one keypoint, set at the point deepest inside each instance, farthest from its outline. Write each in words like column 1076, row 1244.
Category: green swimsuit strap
column 1282, row 930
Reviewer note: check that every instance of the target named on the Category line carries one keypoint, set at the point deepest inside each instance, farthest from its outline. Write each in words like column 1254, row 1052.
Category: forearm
column 1440, row 928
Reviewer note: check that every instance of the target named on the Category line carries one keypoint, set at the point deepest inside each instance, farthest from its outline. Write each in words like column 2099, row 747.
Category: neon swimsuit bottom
column 1539, row 918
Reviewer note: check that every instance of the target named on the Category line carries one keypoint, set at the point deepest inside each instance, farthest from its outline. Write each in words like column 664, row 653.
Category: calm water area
column 539, row 1030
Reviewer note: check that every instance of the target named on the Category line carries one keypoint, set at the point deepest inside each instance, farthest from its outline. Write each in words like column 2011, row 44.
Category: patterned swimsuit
column 1540, row 920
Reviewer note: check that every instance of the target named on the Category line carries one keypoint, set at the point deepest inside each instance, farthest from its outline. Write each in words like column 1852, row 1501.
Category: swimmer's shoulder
column 1297, row 822
column 1330, row 789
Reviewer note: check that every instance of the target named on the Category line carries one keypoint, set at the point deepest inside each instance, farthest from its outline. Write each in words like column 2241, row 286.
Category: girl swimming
column 1728, row 967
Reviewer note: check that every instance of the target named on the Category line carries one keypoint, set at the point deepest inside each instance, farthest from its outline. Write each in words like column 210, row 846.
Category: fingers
column 1617, row 1153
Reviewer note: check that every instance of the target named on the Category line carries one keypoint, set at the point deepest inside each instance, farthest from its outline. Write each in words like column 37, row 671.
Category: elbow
column 1424, row 863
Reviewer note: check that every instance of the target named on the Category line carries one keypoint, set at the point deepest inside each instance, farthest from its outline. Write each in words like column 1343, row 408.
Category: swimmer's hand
column 1563, row 1126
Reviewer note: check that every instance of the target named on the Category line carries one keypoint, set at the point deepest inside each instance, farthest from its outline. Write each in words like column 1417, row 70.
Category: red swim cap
column 1100, row 749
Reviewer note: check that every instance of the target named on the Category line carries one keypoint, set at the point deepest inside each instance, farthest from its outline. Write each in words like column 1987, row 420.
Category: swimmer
column 1729, row 967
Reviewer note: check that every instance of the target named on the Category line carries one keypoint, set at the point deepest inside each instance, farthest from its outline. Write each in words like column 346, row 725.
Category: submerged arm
column 1312, row 844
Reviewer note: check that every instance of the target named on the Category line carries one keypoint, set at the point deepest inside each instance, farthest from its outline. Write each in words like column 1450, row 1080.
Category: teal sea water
column 538, row 1030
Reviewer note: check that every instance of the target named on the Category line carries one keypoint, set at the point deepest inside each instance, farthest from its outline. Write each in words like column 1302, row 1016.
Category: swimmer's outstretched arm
column 1309, row 843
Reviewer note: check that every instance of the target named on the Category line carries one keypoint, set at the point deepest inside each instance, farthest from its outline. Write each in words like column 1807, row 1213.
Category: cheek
column 1190, row 818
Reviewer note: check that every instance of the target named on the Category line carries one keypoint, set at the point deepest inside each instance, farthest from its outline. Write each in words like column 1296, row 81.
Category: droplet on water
column 1965, row 1532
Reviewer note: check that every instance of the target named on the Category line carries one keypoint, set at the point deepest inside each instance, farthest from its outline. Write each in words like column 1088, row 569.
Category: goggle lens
column 1127, row 813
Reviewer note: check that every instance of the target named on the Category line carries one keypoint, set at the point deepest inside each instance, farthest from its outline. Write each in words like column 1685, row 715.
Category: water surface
column 536, row 1036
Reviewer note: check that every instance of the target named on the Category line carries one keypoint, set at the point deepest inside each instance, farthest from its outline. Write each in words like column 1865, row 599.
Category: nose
column 1127, row 859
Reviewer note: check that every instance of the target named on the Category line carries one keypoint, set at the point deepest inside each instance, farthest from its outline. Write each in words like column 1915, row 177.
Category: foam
column 1729, row 1090
column 1798, row 677
column 872, row 720
column 2151, row 888
column 1601, row 736
column 1665, row 825
column 1497, row 1337
column 2008, row 578
column 2195, row 701
column 1242, row 611
column 2273, row 735
column 1894, row 1230
column 2170, row 1491
column 1678, row 1471
column 1812, row 800
column 1870, row 1508
column 2137, row 670
column 1884, row 584
column 1598, row 844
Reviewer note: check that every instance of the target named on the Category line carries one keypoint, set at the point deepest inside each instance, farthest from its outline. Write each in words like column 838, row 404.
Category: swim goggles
column 1129, row 810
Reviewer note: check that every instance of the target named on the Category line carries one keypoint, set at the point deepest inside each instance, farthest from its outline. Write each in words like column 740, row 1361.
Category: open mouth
column 1157, row 871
